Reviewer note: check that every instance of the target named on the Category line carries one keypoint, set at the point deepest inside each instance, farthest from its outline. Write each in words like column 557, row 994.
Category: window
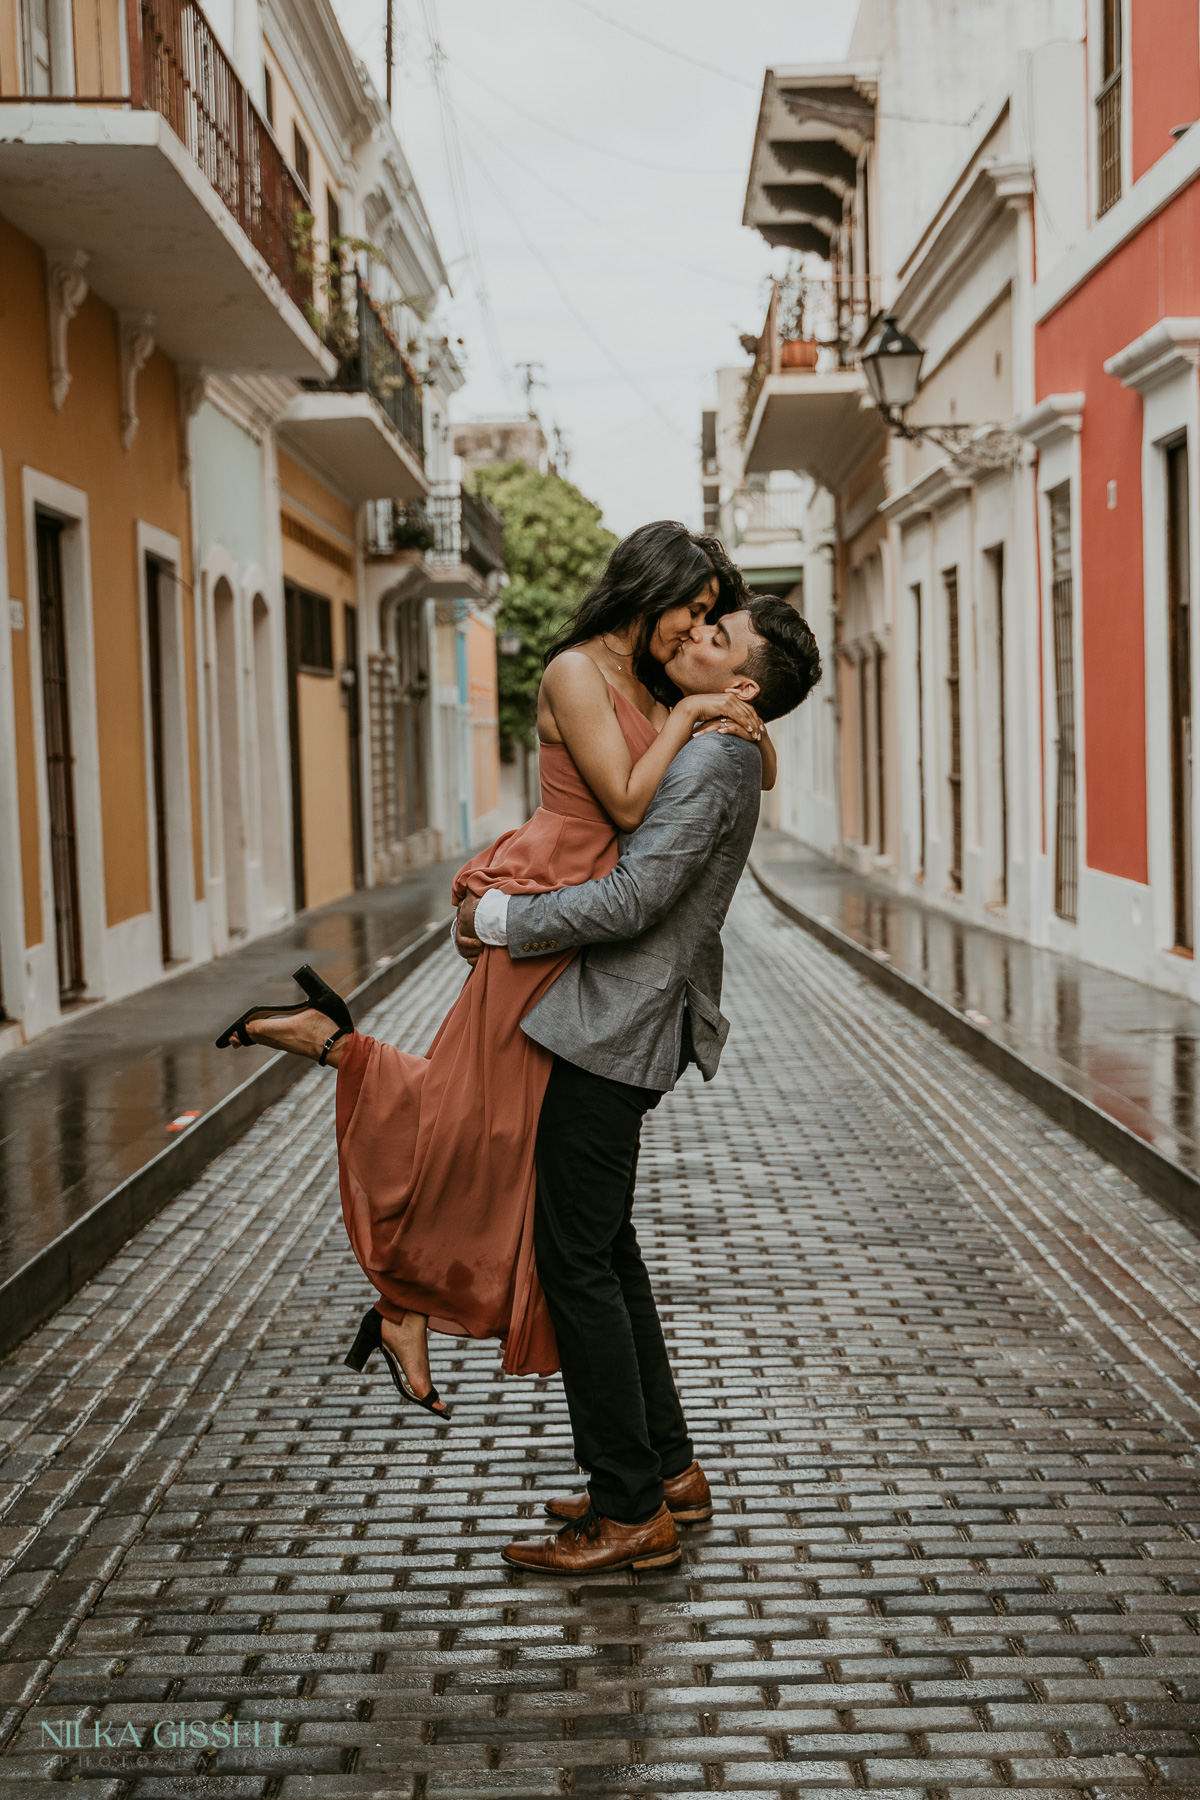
column 300, row 160
column 879, row 818
column 996, row 772
column 269, row 97
column 950, row 586
column 919, row 671
column 1062, row 588
column 864, row 751
column 333, row 213
column 1179, row 610
column 1108, row 108
column 315, row 633
column 39, row 62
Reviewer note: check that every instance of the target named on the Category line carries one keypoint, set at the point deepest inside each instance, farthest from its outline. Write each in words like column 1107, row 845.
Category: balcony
column 158, row 168
column 467, row 530
column 364, row 429
column 768, row 515
column 802, row 411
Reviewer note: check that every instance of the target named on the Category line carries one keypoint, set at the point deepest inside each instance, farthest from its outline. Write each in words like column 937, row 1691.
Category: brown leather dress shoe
column 688, row 1499
column 593, row 1545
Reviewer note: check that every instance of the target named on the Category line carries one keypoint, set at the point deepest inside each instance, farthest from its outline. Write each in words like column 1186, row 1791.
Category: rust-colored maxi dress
column 436, row 1151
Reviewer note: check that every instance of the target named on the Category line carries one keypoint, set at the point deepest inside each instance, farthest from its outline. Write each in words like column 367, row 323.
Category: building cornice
column 305, row 37
column 938, row 487
column 251, row 402
column 1156, row 189
column 1168, row 350
column 1056, row 417
column 955, row 240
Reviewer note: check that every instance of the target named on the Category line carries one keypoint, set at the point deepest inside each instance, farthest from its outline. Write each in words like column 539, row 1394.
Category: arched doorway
column 411, row 717
column 229, row 757
column 272, row 835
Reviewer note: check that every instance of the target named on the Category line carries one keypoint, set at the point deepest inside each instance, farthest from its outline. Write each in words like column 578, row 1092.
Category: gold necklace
column 620, row 667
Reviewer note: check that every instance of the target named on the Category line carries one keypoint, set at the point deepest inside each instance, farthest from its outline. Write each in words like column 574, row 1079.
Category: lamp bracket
column 975, row 449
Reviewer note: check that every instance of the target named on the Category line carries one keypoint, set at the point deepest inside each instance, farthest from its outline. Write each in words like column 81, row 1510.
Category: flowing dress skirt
column 435, row 1152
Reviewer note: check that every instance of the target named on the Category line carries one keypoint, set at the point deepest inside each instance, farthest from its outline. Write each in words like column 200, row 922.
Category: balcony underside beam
column 118, row 184
column 353, row 443
column 815, row 424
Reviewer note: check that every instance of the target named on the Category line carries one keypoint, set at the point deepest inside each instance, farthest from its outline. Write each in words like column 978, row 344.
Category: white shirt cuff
column 491, row 919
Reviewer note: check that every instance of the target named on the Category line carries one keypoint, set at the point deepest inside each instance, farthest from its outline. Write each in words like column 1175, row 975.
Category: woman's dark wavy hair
column 656, row 567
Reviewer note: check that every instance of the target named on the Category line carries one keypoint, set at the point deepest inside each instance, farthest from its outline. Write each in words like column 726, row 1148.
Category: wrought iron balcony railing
column 469, row 530
column 372, row 362
column 177, row 68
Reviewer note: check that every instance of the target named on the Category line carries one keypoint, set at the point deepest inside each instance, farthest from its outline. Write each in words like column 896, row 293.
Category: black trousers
column 628, row 1424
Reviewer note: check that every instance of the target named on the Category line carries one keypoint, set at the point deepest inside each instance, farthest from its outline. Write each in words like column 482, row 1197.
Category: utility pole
column 562, row 451
column 529, row 380
column 389, row 51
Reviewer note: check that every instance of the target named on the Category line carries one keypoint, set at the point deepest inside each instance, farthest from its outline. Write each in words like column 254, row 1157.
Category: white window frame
column 70, row 504
column 181, row 875
column 1162, row 366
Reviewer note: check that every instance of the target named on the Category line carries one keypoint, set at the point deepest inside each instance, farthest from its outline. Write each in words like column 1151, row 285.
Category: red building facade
column 1116, row 346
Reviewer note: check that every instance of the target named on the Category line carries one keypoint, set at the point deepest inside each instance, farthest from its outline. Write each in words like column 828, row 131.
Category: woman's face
column 675, row 625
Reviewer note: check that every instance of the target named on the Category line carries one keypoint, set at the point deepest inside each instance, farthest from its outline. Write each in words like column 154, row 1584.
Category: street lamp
column 510, row 643
column 892, row 363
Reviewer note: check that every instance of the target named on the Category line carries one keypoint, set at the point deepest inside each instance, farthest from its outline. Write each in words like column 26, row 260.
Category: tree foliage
column 555, row 546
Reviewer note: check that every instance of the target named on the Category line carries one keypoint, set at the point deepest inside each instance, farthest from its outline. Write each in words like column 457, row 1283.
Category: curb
column 55, row 1274
column 1154, row 1172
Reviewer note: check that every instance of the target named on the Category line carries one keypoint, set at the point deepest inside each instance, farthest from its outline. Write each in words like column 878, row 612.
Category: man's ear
column 743, row 687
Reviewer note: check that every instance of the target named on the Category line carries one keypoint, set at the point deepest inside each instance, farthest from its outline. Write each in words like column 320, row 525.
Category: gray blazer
column 652, row 928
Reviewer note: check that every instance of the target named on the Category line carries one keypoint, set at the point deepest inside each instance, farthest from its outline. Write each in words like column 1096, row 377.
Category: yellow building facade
column 102, row 746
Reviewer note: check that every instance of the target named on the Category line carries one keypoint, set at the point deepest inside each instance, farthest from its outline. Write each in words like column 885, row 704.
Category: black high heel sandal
column 369, row 1339
column 321, row 998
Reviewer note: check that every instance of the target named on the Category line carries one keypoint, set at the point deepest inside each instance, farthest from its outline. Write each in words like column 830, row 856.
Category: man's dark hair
column 786, row 664
column 656, row 567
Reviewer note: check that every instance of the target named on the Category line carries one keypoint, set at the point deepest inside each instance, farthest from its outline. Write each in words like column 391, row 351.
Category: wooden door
column 354, row 733
column 158, row 589
column 60, row 770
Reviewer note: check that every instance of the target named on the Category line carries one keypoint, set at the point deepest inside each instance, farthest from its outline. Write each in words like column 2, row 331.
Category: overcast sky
column 605, row 181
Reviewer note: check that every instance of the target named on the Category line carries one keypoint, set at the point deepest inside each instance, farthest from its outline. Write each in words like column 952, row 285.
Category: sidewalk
column 88, row 1108
column 939, row 1363
column 1127, row 1050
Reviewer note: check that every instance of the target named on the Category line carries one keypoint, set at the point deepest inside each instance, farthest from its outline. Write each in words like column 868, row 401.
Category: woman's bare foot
column 409, row 1344
column 303, row 1034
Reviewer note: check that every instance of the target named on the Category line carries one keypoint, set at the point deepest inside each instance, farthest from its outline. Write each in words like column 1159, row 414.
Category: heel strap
column 329, row 1043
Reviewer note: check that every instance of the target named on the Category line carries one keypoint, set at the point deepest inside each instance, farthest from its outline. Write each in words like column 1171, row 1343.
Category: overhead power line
column 853, row 116
column 460, row 192
column 636, row 162
column 604, row 224
column 580, row 319
column 667, row 49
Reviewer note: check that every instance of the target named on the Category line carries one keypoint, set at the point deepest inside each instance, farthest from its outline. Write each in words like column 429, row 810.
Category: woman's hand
column 723, row 713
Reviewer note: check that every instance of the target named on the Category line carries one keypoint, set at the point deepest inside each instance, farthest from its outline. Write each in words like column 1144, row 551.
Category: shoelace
column 588, row 1526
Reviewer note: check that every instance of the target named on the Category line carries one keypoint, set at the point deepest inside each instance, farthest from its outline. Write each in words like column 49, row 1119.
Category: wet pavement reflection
column 91, row 1102
column 1126, row 1047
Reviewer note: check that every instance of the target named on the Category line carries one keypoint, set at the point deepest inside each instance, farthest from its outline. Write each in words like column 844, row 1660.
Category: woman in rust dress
column 436, row 1151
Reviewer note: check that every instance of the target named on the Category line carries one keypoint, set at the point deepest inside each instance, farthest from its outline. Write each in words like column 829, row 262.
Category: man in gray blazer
column 623, row 1020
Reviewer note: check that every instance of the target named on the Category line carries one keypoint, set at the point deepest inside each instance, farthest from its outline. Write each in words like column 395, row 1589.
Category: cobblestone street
column 941, row 1366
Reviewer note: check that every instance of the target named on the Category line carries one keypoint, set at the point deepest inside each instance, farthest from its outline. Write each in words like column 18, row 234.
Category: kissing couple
column 487, row 1187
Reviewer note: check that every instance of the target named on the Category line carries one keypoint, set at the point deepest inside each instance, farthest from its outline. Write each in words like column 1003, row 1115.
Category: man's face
column 708, row 659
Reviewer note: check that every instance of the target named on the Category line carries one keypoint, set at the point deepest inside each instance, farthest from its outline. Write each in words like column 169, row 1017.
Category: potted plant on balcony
column 797, row 349
column 412, row 528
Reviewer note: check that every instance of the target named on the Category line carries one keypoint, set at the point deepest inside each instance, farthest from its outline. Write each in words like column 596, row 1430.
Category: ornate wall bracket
column 137, row 346
column 66, row 291
column 193, row 390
